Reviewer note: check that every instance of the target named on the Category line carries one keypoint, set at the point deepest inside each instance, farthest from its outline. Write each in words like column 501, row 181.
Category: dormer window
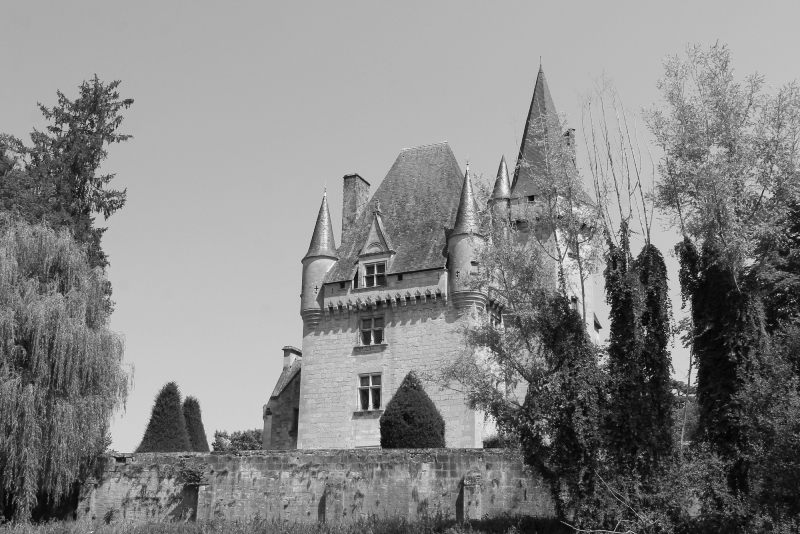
column 375, row 274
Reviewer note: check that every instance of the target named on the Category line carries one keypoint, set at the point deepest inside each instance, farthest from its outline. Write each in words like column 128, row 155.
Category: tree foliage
column 61, row 370
column 166, row 430
column 239, row 440
column 411, row 419
column 731, row 154
column 57, row 178
column 193, row 418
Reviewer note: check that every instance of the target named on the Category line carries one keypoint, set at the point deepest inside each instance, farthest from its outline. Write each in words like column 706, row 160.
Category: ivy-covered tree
column 655, row 357
column 56, row 179
column 638, row 418
column 729, row 340
column 193, row 418
column 166, row 431
column 61, row 368
column 411, row 419
column 559, row 423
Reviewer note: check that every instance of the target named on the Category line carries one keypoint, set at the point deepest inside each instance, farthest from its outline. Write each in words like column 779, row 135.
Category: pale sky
column 245, row 110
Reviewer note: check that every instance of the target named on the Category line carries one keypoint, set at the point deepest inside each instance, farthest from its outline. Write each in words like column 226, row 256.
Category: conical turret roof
column 502, row 186
column 531, row 159
column 322, row 242
column 467, row 219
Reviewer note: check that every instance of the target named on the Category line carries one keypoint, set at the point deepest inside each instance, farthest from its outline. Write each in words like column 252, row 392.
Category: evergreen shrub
column 193, row 418
column 411, row 419
column 166, row 431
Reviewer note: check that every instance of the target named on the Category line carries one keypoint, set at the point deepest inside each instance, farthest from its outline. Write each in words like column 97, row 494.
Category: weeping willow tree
column 61, row 371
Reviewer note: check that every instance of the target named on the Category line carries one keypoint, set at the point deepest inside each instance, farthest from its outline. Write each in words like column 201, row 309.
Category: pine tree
column 166, row 431
column 411, row 419
column 57, row 179
column 194, row 425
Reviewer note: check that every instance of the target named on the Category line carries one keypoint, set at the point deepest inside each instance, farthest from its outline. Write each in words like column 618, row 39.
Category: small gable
column 377, row 241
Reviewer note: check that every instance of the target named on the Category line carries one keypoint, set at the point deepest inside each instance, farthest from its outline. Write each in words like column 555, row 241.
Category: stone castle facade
column 392, row 297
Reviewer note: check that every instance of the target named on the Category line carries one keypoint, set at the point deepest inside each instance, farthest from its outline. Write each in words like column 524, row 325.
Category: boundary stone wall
column 313, row 485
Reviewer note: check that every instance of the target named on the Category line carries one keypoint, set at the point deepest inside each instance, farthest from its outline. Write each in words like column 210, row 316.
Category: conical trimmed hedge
column 194, row 425
column 411, row 419
column 166, row 431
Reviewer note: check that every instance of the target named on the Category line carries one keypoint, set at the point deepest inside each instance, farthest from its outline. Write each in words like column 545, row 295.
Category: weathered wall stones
column 320, row 485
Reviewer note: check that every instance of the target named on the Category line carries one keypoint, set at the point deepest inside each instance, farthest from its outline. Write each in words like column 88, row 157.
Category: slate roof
column 322, row 241
column 286, row 377
column 418, row 199
column 531, row 159
column 467, row 219
column 502, row 187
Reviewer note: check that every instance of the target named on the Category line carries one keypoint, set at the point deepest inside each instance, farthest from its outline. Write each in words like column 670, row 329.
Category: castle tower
column 320, row 257
column 462, row 246
column 500, row 203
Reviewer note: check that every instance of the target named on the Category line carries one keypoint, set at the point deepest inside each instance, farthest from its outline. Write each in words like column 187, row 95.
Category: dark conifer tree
column 411, row 419
column 166, row 431
column 194, row 425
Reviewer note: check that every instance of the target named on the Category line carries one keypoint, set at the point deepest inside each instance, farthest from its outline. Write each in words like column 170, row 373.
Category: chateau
column 392, row 296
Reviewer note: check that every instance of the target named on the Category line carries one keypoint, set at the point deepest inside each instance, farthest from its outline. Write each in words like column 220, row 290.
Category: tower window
column 369, row 392
column 372, row 331
column 375, row 274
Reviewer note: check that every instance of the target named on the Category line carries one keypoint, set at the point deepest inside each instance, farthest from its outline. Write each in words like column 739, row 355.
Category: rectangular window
column 369, row 392
column 342, row 285
column 399, row 277
column 372, row 331
column 295, row 419
column 375, row 274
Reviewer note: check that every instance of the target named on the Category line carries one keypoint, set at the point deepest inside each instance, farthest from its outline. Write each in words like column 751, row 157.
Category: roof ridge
column 424, row 146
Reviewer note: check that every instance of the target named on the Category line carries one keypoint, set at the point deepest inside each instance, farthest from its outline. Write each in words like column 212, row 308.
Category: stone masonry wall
column 421, row 334
column 283, row 435
column 322, row 485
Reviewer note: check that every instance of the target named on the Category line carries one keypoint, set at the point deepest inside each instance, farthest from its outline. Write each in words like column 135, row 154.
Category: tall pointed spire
column 502, row 187
column 322, row 242
column 467, row 220
column 531, row 159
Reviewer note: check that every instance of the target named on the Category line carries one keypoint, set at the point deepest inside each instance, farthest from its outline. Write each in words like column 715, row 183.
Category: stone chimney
column 290, row 355
column 355, row 198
